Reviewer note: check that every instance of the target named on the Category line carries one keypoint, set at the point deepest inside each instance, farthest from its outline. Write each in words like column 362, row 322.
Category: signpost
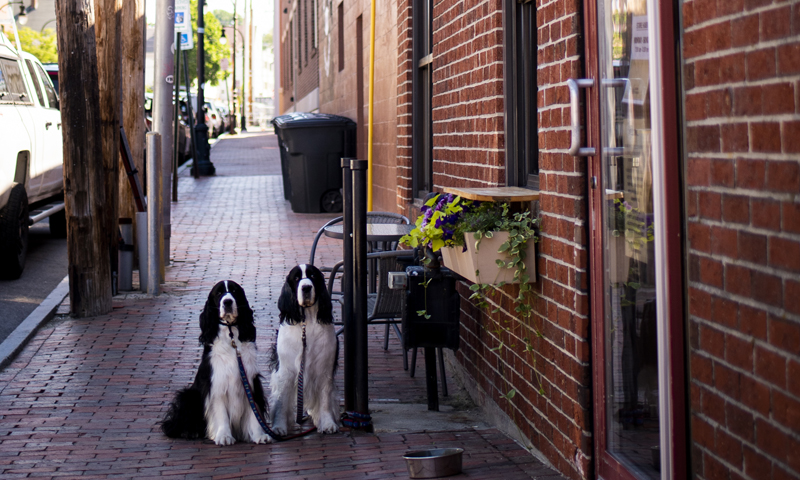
column 183, row 23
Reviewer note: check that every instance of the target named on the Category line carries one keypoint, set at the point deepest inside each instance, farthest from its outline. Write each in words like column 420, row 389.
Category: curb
column 17, row 340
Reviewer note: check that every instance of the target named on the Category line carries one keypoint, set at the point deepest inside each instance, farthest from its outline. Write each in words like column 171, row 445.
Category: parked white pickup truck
column 31, row 155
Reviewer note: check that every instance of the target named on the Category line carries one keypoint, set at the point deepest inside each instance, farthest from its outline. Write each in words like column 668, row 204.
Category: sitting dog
column 305, row 305
column 215, row 405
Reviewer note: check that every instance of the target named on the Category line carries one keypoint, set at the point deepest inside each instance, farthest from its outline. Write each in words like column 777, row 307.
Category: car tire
column 14, row 233
column 58, row 224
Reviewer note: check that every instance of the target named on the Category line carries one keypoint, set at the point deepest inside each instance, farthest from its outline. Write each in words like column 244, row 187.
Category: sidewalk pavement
column 84, row 397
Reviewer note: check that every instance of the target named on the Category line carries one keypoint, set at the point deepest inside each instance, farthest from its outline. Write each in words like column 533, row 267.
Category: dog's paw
column 224, row 439
column 264, row 438
column 280, row 429
column 328, row 427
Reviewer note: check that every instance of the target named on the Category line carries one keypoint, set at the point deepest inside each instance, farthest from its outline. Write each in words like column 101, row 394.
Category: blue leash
column 249, row 392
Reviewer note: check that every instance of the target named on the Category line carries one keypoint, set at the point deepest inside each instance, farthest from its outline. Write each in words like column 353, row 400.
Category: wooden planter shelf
column 495, row 194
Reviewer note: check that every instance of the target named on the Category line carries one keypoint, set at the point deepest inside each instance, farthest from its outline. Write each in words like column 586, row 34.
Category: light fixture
column 223, row 40
column 22, row 18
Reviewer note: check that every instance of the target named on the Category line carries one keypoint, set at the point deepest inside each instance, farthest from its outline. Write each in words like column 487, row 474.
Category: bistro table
column 376, row 232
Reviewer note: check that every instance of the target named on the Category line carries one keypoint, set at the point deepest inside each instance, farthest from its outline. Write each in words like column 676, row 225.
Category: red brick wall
column 404, row 74
column 469, row 150
column 306, row 67
column 742, row 120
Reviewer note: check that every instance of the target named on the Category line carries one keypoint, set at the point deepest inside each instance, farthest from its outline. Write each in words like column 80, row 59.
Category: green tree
column 214, row 51
column 226, row 18
column 42, row 45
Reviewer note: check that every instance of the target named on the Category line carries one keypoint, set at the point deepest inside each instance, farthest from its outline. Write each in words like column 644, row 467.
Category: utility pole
column 132, row 33
column 244, row 66
column 84, row 192
column 109, row 66
column 204, row 165
column 162, row 112
column 250, row 65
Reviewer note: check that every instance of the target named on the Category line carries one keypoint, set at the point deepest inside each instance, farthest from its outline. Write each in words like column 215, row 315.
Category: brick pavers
column 84, row 397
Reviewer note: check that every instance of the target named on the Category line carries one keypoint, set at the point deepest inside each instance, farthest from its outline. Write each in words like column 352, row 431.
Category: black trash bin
column 312, row 145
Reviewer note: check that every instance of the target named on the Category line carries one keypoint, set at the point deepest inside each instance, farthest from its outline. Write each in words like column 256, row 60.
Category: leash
column 249, row 392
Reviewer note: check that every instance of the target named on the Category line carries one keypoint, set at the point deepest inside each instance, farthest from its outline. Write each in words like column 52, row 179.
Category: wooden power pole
column 133, row 28
column 88, row 62
column 109, row 65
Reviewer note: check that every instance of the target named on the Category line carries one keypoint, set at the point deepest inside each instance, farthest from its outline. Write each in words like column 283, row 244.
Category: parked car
column 52, row 72
column 184, row 134
column 214, row 120
column 31, row 160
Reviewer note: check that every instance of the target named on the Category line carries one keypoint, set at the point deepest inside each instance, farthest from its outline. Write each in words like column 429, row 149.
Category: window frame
column 422, row 96
column 521, row 87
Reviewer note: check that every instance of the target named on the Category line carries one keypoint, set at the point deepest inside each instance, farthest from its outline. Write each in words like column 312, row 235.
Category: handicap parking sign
column 187, row 42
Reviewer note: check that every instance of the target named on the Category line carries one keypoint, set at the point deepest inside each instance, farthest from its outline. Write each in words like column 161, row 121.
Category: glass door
column 634, row 353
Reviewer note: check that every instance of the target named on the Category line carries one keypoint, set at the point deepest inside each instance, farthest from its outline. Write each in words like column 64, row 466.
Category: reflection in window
column 631, row 363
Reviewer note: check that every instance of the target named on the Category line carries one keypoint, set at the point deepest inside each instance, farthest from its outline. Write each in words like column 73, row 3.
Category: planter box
column 483, row 261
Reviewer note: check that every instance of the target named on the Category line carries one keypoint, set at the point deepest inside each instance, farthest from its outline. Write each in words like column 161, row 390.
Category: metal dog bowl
column 439, row 462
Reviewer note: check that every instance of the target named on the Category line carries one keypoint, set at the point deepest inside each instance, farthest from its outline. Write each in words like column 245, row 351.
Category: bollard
column 347, row 287
column 125, row 279
column 154, row 200
column 359, row 283
column 141, row 248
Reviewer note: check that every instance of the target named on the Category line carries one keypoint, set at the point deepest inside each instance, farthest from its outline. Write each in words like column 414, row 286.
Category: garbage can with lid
column 312, row 145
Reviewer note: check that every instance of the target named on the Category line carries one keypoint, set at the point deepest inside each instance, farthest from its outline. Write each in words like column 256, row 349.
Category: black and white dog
column 305, row 304
column 215, row 405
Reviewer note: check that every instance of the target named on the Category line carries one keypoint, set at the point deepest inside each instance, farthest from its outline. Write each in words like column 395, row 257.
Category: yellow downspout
column 371, row 101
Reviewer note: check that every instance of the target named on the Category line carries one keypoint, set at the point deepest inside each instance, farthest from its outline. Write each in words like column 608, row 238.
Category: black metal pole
column 204, row 165
column 359, row 168
column 347, row 289
column 190, row 116
column 177, row 120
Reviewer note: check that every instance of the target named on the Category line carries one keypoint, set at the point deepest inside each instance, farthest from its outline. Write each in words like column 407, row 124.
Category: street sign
column 187, row 42
column 183, row 23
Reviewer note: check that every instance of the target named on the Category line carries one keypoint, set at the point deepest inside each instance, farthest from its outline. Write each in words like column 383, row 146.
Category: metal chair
column 385, row 306
column 372, row 217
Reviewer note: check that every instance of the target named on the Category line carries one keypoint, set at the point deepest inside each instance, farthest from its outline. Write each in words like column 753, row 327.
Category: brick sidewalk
column 84, row 397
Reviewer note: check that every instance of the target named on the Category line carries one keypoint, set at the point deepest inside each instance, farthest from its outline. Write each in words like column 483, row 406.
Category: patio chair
column 372, row 217
column 385, row 306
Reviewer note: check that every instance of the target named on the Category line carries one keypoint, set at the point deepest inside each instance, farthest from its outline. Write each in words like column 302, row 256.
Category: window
column 14, row 82
column 340, row 19
column 291, row 52
column 299, row 31
column 422, row 83
column 305, row 30
column 519, row 72
column 35, row 82
column 4, row 93
column 314, row 25
column 52, row 96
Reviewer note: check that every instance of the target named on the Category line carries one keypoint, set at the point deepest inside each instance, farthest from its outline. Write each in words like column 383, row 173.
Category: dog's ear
column 290, row 311
column 209, row 319
column 325, row 308
column 245, row 321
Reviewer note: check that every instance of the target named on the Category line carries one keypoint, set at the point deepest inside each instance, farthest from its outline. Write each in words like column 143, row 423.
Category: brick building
column 669, row 182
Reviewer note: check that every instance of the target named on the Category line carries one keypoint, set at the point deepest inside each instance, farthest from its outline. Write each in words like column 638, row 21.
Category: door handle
column 574, row 86
column 47, row 125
